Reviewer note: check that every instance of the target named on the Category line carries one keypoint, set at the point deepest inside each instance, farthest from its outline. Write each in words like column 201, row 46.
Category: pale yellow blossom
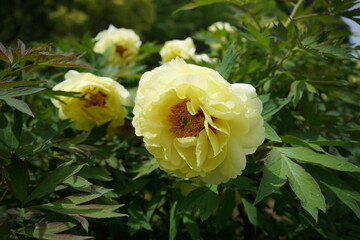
column 177, row 48
column 219, row 26
column 197, row 124
column 101, row 100
column 124, row 44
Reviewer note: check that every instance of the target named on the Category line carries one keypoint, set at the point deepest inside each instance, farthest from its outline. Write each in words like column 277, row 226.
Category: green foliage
column 301, row 183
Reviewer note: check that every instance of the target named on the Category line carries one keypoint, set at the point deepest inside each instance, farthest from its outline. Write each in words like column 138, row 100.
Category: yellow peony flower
column 102, row 100
column 196, row 123
column 125, row 44
column 177, row 48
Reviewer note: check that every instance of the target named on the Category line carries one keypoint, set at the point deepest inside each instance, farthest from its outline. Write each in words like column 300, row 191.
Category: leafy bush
column 301, row 183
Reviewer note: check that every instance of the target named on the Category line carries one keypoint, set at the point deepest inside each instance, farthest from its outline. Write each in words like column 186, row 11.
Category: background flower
column 197, row 124
column 125, row 44
column 220, row 26
column 101, row 100
column 177, row 48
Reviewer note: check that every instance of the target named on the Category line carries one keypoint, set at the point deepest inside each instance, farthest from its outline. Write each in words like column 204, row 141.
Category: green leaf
column 273, row 106
column 137, row 219
column 202, row 199
column 9, row 84
column 279, row 31
column 70, row 206
column 341, row 189
column 146, row 168
column 8, row 138
column 198, row 3
column 228, row 62
column 78, row 183
column 54, row 178
column 88, row 210
column 50, row 231
column 18, row 178
column 300, row 142
column 273, row 177
column 174, row 220
column 226, row 208
column 305, row 188
column 17, row 92
column 192, row 226
column 97, row 133
column 18, row 104
column 243, row 183
column 251, row 212
column 325, row 160
column 296, row 91
column 270, row 133
column 95, row 173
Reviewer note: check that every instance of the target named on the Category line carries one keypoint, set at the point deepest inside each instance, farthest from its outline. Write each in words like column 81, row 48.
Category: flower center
column 183, row 124
column 94, row 99
column 120, row 50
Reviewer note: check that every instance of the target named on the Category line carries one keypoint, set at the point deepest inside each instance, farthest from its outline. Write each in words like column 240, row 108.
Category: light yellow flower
column 219, row 26
column 102, row 100
column 195, row 123
column 124, row 43
column 177, row 48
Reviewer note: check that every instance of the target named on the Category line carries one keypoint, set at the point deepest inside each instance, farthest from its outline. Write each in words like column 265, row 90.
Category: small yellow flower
column 197, row 124
column 177, row 48
column 124, row 43
column 101, row 100
column 219, row 26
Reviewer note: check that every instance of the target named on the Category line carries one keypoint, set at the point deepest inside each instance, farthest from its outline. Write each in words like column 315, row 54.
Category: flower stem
column 249, row 11
column 293, row 13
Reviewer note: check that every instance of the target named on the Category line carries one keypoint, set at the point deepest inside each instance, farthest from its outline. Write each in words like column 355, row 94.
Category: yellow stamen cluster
column 120, row 50
column 94, row 99
column 182, row 123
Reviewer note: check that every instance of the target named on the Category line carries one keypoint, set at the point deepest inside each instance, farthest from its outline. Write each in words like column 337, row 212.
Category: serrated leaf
column 228, row 62
column 273, row 176
column 305, row 188
column 202, row 199
column 271, row 134
column 54, row 178
column 325, row 160
column 273, row 106
column 49, row 231
column 225, row 209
